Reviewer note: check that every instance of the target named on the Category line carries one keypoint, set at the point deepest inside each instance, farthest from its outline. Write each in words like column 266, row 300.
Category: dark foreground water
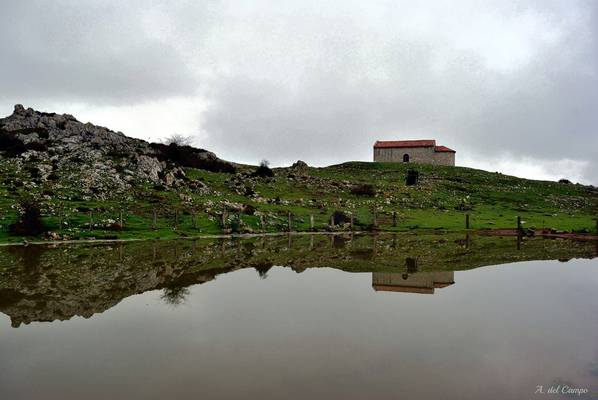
column 362, row 320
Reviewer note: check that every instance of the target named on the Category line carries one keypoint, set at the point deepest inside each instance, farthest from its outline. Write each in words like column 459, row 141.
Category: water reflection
column 174, row 295
column 212, row 318
column 423, row 282
column 47, row 283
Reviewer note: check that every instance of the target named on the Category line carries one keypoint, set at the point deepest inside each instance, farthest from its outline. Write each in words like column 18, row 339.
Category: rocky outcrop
column 300, row 167
column 96, row 159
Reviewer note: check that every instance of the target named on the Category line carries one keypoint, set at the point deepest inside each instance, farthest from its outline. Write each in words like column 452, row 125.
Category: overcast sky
column 512, row 86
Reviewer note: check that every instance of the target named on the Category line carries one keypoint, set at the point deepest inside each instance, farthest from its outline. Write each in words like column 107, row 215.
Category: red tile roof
column 443, row 149
column 404, row 143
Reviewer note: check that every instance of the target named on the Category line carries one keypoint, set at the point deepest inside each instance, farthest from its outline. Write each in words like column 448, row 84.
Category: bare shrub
column 340, row 217
column 364, row 189
column 264, row 171
column 179, row 140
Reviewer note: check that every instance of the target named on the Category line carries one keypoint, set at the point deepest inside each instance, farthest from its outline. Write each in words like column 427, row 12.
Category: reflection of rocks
column 47, row 303
column 85, row 284
column 51, row 282
column 422, row 282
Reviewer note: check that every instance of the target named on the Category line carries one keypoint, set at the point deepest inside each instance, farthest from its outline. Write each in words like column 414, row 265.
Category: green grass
column 492, row 200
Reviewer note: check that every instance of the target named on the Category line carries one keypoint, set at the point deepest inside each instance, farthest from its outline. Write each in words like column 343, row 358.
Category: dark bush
column 30, row 222
column 187, row 156
column 249, row 191
column 76, row 159
column 264, row 171
column 114, row 227
column 412, row 177
column 53, row 176
column 248, row 209
column 33, row 171
column 37, row 146
column 11, row 145
column 340, row 217
column 364, row 189
column 565, row 181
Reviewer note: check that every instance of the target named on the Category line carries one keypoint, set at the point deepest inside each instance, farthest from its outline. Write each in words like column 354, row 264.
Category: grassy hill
column 438, row 202
column 64, row 179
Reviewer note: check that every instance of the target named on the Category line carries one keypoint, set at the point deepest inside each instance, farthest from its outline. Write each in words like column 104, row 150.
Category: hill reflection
column 57, row 282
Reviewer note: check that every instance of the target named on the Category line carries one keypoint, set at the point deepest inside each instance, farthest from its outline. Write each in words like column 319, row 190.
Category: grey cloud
column 321, row 81
column 395, row 85
column 88, row 51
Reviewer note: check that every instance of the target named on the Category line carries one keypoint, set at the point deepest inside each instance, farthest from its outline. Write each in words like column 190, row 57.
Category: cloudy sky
column 511, row 85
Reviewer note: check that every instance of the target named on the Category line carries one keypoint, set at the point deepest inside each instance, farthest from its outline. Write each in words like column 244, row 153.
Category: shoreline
column 482, row 232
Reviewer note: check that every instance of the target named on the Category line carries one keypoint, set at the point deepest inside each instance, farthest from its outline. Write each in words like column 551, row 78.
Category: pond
column 305, row 316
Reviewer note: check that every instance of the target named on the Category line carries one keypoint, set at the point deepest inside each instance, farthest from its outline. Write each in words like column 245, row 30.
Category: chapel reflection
column 419, row 282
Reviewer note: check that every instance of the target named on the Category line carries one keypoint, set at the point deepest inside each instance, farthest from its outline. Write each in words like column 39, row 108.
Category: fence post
column 466, row 221
column 193, row 220
column 518, row 224
column 290, row 222
column 176, row 218
column 311, row 222
column 351, row 221
column 262, row 225
column 60, row 216
column 332, row 220
column 120, row 219
column 154, row 219
column 518, row 242
column 394, row 218
column 90, row 220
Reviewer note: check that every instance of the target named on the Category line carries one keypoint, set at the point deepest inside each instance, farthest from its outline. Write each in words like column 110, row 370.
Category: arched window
column 405, row 157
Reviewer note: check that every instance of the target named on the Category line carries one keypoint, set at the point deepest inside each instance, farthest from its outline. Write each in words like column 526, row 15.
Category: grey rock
column 99, row 161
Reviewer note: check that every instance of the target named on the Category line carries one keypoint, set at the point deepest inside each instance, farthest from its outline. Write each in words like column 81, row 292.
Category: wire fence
column 109, row 222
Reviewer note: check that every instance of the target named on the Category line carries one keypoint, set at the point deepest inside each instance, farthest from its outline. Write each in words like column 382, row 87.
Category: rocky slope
column 96, row 160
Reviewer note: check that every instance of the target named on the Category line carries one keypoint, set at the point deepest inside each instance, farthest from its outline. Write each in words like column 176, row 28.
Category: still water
column 385, row 317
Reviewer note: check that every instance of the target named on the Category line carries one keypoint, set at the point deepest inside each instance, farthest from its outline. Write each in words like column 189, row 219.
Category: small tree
column 174, row 295
column 262, row 270
column 179, row 140
column 264, row 170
